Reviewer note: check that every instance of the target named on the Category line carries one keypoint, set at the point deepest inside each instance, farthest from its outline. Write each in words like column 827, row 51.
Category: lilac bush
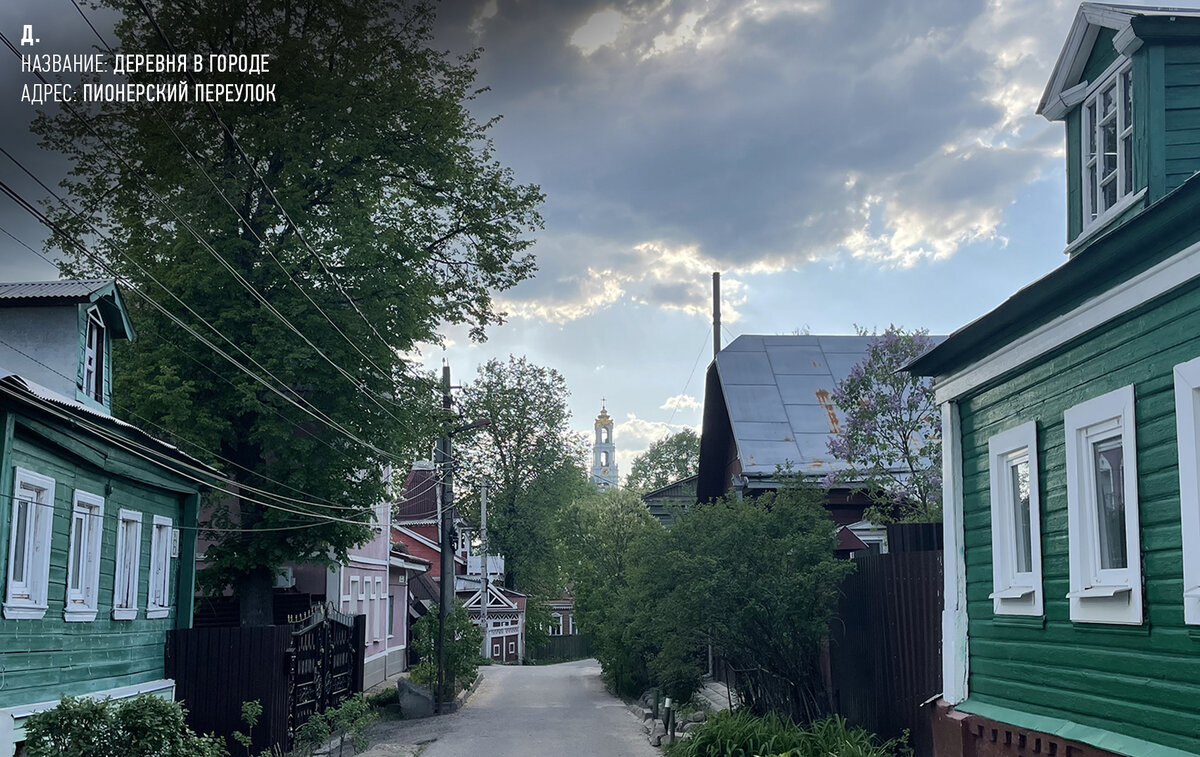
column 890, row 441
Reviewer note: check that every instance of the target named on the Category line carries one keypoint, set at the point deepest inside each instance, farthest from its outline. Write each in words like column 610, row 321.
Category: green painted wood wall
column 1181, row 77
column 1141, row 681
column 45, row 659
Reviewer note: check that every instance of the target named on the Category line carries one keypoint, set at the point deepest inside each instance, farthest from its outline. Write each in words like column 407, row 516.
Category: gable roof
column 417, row 502
column 103, row 292
column 34, row 395
column 772, row 397
column 1066, row 87
column 1158, row 232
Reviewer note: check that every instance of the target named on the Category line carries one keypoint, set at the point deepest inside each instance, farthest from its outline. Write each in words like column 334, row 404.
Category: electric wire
column 254, row 170
column 54, row 227
column 695, row 365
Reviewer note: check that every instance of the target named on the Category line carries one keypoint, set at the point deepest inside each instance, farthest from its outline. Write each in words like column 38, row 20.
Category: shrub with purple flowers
column 891, row 439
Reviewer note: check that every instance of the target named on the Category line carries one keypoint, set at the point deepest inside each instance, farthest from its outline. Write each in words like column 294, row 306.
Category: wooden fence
column 885, row 643
column 293, row 670
column 217, row 669
column 571, row 647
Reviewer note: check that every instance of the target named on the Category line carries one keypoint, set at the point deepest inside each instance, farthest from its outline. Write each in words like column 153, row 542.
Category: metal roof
column 103, row 292
column 10, row 380
column 779, row 394
column 65, row 288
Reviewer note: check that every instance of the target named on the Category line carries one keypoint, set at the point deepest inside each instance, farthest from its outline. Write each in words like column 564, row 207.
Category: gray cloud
column 761, row 139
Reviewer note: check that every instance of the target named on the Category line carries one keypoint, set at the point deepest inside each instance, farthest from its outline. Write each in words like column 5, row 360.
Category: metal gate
column 323, row 663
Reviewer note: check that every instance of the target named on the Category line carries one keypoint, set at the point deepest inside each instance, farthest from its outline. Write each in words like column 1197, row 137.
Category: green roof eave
column 116, row 315
column 1164, row 228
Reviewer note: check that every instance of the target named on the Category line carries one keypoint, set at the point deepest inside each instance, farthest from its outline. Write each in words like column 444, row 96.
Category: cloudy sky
column 841, row 162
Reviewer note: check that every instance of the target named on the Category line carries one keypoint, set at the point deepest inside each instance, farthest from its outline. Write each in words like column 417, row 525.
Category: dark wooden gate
column 885, row 643
column 323, row 671
column 294, row 670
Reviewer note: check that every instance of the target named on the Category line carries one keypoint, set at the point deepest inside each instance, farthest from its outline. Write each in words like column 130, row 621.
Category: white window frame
column 94, row 356
column 158, row 595
column 128, row 566
column 1120, row 74
column 27, row 590
column 83, row 548
column 1187, row 426
column 1014, row 592
column 572, row 622
column 1102, row 595
column 556, row 622
column 352, row 599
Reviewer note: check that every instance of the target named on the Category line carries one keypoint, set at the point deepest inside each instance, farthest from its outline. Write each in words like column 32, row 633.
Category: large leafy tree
column 891, row 441
column 365, row 206
column 666, row 461
column 600, row 534
column 533, row 460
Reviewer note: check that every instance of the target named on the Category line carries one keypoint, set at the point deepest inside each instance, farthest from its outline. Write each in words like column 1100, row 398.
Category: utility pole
column 446, row 490
column 716, row 313
column 483, row 548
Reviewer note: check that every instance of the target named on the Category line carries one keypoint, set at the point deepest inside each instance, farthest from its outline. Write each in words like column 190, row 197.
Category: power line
column 254, row 170
column 315, row 412
column 695, row 365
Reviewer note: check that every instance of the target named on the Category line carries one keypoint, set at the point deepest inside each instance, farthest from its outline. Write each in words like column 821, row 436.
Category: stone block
column 415, row 701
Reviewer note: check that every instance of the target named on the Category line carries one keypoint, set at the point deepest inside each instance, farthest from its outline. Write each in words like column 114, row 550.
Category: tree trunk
column 255, row 602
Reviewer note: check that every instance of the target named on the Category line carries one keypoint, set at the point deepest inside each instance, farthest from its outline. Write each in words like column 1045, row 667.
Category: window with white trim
column 30, row 522
column 158, row 601
column 555, row 624
column 83, row 557
column 1016, row 522
column 1102, row 510
column 128, row 567
column 1107, row 142
column 93, row 357
column 572, row 617
column 1187, row 426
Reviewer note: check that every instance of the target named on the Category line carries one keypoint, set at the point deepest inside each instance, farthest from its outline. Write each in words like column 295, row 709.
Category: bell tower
column 604, row 453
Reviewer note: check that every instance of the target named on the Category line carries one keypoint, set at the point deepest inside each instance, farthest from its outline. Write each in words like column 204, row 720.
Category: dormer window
column 1107, row 139
column 93, row 358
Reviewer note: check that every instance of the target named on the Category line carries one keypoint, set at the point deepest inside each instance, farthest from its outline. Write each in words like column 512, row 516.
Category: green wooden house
column 1071, row 423
column 98, row 518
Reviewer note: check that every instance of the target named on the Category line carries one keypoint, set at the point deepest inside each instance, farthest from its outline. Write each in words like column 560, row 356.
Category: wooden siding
column 48, row 658
column 1182, row 122
column 1140, row 681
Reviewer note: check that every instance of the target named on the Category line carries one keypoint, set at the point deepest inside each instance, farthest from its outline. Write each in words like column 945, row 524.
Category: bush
column 144, row 726
column 740, row 734
column 463, row 642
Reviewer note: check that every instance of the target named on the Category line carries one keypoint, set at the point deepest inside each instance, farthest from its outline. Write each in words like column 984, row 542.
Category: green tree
column 464, row 640
column 666, row 461
column 387, row 216
column 599, row 534
column 534, row 463
column 891, row 440
column 756, row 579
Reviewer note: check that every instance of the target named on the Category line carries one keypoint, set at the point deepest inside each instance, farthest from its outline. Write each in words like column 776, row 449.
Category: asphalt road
column 550, row 710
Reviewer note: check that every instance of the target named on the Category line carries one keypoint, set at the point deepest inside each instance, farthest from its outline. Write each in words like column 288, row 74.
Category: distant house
column 768, row 405
column 99, row 518
column 562, row 616
column 372, row 582
column 415, row 530
column 1071, row 417
column 664, row 502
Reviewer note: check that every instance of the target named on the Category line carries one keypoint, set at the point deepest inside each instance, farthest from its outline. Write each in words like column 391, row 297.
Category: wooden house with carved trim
column 1071, row 431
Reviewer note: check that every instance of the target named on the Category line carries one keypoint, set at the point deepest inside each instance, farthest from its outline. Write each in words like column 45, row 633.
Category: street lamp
column 444, row 533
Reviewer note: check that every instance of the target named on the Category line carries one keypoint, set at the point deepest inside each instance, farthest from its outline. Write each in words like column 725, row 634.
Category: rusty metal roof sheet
column 779, row 392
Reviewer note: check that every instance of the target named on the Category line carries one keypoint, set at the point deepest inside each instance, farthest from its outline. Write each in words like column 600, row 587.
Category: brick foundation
column 959, row 734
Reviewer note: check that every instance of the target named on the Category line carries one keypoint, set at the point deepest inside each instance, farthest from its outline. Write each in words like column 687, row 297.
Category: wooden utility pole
column 716, row 313
column 483, row 548
column 446, row 503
